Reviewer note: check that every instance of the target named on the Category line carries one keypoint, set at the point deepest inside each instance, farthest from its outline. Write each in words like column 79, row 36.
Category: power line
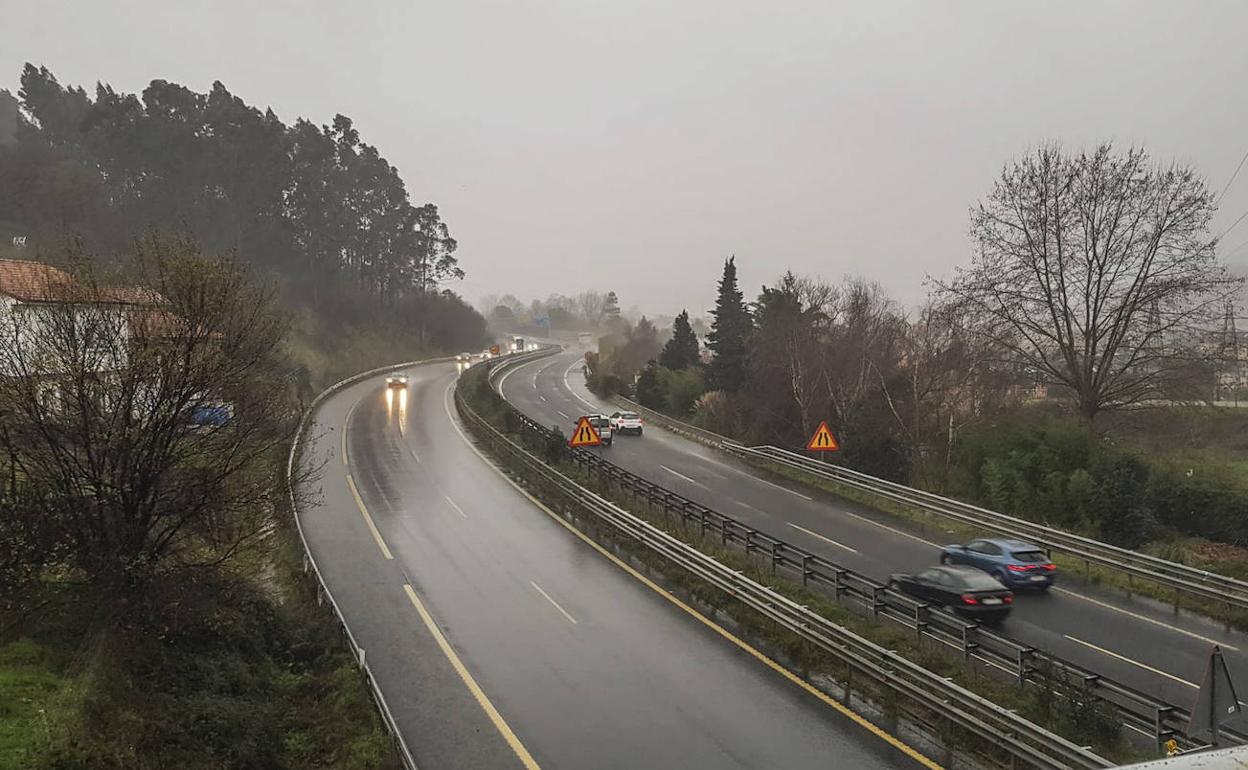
column 1233, row 224
column 1232, row 179
column 1235, row 250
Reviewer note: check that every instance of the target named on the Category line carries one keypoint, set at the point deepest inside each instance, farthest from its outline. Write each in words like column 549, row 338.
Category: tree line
column 313, row 204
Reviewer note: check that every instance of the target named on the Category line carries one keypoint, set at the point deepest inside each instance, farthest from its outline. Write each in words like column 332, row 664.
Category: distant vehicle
column 1013, row 563
column 213, row 415
column 965, row 590
column 626, row 422
column 585, row 339
column 602, row 424
column 397, row 380
column 464, row 357
column 517, row 344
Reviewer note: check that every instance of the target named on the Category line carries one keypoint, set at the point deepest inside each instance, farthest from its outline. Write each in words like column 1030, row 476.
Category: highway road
column 501, row 639
column 1136, row 642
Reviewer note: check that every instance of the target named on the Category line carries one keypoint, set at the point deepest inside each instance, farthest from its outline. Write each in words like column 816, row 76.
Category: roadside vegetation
column 210, row 269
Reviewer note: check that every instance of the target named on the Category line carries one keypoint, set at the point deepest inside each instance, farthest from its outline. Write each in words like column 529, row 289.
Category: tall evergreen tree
column 611, row 307
column 681, row 351
column 729, row 333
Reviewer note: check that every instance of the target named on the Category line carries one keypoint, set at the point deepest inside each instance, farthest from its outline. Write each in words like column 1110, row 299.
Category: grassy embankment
column 232, row 666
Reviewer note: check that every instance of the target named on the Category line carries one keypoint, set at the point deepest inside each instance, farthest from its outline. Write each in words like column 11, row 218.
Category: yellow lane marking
column 455, row 505
column 1146, row 619
column 857, row 718
column 368, row 519
column 812, row 533
column 1133, row 662
column 545, row 595
column 500, row 724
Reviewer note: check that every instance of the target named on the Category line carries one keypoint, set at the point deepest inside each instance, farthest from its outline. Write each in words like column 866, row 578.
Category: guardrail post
column 1025, row 656
column 838, row 584
column 1160, row 730
column 921, row 612
column 968, row 646
column 776, row 547
column 702, row 521
column 805, row 568
column 1177, row 595
column 723, row 531
column 749, row 542
column 875, row 601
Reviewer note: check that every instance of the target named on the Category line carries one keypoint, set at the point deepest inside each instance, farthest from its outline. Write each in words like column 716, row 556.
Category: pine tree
column 681, row 351
column 729, row 333
column 611, row 307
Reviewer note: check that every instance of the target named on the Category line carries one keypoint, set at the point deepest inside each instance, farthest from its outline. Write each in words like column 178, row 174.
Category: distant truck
column 517, row 344
column 585, row 339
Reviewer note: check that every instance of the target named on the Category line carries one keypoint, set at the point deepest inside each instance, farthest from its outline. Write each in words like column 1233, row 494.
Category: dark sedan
column 965, row 590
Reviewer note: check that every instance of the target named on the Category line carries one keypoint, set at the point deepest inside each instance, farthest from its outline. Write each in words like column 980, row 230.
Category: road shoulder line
column 828, row 700
column 483, row 700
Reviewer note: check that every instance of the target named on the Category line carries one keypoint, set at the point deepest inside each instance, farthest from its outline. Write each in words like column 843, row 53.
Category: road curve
column 1135, row 642
column 560, row 657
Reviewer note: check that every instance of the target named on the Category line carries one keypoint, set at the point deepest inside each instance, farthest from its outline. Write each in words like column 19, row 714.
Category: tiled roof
column 36, row 282
column 33, row 281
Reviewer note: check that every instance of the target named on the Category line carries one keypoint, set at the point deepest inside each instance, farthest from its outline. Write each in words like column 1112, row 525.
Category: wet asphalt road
column 1136, row 642
column 587, row 666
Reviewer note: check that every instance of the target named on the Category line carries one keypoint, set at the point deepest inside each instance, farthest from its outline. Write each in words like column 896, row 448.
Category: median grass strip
column 1060, row 706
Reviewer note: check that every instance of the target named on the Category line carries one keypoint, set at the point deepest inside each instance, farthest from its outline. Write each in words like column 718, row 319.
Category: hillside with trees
column 186, row 271
column 313, row 206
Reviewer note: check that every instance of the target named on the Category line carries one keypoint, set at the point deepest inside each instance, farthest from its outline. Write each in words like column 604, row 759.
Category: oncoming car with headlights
column 397, row 380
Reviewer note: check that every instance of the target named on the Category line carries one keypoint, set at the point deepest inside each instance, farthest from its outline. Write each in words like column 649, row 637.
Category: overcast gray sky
column 632, row 146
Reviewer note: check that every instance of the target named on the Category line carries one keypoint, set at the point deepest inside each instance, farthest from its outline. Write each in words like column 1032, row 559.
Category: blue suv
column 1012, row 562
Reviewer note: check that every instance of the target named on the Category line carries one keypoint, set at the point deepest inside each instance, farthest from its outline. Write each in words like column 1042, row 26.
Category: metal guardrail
column 1180, row 577
column 939, row 696
column 1138, row 710
column 309, row 562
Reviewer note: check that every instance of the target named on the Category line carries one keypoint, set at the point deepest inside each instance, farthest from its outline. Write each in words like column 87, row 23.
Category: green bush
column 1058, row 473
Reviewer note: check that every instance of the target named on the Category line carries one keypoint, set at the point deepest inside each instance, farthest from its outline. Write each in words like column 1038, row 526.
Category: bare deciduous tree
column 1094, row 271
column 148, row 424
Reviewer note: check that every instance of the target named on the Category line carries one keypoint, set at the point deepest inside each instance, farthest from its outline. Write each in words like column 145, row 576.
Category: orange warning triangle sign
column 584, row 435
column 823, row 440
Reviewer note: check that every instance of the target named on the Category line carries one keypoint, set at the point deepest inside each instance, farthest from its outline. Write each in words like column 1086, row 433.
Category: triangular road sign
column 585, row 434
column 823, row 440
